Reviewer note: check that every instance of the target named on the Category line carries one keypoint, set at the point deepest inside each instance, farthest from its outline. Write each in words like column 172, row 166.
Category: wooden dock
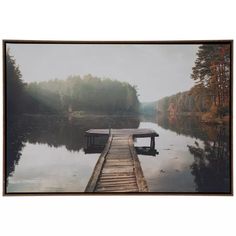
column 118, row 168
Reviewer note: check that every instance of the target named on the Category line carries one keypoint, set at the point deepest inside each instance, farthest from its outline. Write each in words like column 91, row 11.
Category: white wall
column 117, row 20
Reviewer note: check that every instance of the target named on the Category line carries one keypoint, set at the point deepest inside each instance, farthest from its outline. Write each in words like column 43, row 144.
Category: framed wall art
column 118, row 117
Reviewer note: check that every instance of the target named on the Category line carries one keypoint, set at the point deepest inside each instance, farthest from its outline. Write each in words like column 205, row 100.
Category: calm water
column 46, row 154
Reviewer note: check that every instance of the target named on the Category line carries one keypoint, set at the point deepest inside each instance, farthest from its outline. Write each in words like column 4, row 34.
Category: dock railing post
column 152, row 143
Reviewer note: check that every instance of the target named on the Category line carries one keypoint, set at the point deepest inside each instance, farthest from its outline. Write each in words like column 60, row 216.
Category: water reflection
column 169, row 171
column 54, row 132
column 188, row 126
column 47, row 153
column 58, row 131
column 49, row 169
column 16, row 138
column 211, row 166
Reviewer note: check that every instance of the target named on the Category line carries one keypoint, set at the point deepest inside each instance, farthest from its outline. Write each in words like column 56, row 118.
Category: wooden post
column 152, row 142
column 86, row 141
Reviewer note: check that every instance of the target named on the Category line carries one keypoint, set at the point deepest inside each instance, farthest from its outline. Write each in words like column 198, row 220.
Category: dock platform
column 118, row 168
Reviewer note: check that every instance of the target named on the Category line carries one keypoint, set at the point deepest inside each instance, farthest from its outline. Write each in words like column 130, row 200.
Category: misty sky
column 157, row 70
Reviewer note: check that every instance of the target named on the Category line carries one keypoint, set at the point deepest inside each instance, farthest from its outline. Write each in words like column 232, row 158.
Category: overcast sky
column 157, row 70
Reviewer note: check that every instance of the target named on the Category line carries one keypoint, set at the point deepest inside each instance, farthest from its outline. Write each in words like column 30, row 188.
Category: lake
column 47, row 153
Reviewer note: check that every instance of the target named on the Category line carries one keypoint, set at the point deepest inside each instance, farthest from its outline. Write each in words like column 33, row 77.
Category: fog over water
column 157, row 70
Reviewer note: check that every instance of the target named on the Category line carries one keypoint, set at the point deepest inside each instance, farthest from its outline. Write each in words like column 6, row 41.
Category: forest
column 88, row 94
column 209, row 98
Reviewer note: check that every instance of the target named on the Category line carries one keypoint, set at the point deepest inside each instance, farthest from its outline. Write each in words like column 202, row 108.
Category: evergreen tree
column 15, row 87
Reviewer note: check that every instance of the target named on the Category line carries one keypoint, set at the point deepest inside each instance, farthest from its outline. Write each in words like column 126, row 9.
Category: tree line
column 181, row 102
column 88, row 93
column 211, row 92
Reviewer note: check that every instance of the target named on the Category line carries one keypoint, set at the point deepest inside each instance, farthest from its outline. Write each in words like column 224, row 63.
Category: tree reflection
column 15, row 138
column 56, row 131
column 211, row 166
column 188, row 126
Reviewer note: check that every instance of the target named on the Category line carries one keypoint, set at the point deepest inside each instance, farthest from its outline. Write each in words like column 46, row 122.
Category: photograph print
column 131, row 117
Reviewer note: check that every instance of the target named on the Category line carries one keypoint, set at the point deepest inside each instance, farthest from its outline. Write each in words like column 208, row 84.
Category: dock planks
column 118, row 168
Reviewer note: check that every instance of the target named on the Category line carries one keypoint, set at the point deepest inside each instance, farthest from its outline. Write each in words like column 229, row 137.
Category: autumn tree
column 211, row 74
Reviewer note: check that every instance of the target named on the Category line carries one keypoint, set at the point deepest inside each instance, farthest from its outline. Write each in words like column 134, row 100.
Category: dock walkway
column 118, row 168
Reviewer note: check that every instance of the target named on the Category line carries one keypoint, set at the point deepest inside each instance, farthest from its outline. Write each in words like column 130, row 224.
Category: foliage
column 73, row 94
column 15, row 87
column 87, row 94
column 211, row 92
column 212, row 73
column 182, row 102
